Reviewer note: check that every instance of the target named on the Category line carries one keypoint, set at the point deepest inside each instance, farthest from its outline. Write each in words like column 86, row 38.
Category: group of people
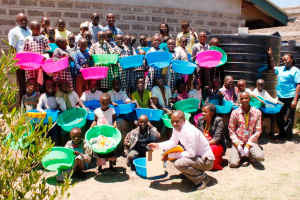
column 204, row 143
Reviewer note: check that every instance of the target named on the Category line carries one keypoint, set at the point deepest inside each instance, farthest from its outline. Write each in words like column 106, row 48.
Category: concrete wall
column 132, row 16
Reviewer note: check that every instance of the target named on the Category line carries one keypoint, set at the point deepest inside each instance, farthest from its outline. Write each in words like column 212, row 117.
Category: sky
column 286, row 3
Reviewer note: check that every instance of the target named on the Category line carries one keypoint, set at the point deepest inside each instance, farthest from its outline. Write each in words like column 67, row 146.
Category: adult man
column 197, row 157
column 110, row 18
column 16, row 39
column 95, row 27
column 245, row 129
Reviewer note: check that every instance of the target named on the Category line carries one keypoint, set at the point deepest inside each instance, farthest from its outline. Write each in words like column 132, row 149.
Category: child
column 153, row 72
column 72, row 49
column 196, row 93
column 120, row 96
column 189, row 34
column 81, row 60
column 105, row 115
column 83, row 27
column 88, row 36
column 140, row 71
column 142, row 96
column 108, row 36
column 82, row 154
column 133, row 40
column 164, row 45
column 180, row 94
column 30, row 100
column 45, row 22
column 127, row 42
column 181, row 50
column 61, row 29
column 259, row 91
column 36, row 43
column 161, row 95
column 51, row 34
column 242, row 88
column 102, row 47
column 215, row 92
column 214, row 42
column 149, row 42
column 91, row 94
column 65, row 97
column 215, row 72
column 58, row 54
column 142, row 42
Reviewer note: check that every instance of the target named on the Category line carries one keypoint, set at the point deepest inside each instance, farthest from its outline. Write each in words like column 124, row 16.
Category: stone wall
column 134, row 20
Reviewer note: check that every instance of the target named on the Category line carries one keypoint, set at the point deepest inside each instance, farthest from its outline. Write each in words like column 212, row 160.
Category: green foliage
column 21, row 153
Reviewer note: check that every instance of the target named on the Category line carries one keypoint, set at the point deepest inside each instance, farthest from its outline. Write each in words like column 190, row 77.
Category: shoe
column 203, row 184
column 273, row 137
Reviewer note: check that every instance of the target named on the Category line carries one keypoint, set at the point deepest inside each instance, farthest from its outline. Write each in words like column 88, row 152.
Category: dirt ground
column 275, row 178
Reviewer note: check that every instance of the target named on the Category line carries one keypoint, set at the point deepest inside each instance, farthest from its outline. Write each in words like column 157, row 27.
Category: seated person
column 136, row 140
column 245, row 129
column 91, row 94
column 82, row 154
column 215, row 93
column 242, row 88
column 197, row 157
column 117, row 96
column 229, row 90
column 212, row 128
column 197, row 92
column 161, row 95
column 30, row 100
column 65, row 98
column 180, row 92
column 142, row 96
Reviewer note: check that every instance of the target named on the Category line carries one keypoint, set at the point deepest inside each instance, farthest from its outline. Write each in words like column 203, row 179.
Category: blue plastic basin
column 271, row 108
column 164, row 46
column 159, row 59
column 146, row 49
column 152, row 114
column 183, row 67
column 140, row 166
column 123, row 108
column 225, row 108
column 50, row 113
column 92, row 105
column 131, row 61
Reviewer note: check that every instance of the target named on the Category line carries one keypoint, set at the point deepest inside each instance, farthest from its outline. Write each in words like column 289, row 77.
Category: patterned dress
column 152, row 72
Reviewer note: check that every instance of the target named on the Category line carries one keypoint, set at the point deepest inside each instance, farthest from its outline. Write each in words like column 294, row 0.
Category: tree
column 22, row 145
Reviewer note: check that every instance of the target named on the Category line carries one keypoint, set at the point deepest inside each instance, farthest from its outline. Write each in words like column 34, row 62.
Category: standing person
column 164, row 30
column 61, row 30
column 16, row 39
column 51, row 34
column 245, row 129
column 108, row 36
column 287, row 89
column 142, row 42
column 45, row 23
column 95, row 27
column 189, row 34
column 110, row 18
column 83, row 27
column 181, row 50
column 197, row 157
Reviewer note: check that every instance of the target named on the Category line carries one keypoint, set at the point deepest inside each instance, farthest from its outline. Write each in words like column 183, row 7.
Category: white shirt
column 47, row 103
column 246, row 90
column 193, row 141
column 89, row 96
column 264, row 94
column 73, row 97
column 181, row 53
column 16, row 37
column 156, row 92
column 118, row 96
column 195, row 94
column 94, row 30
column 104, row 117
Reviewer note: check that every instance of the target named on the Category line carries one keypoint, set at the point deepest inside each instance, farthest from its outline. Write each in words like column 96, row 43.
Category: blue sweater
column 80, row 59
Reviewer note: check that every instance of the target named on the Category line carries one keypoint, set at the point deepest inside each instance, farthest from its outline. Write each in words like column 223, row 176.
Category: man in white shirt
column 197, row 157
column 91, row 94
column 95, row 27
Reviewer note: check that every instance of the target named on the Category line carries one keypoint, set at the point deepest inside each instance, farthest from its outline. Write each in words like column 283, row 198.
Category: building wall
column 132, row 16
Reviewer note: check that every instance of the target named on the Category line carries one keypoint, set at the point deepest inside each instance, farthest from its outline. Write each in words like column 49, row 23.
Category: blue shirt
column 17, row 37
column 115, row 31
column 81, row 60
column 287, row 81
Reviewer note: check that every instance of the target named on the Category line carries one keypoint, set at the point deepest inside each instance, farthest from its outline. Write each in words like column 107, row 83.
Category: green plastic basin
column 59, row 159
column 167, row 119
column 255, row 103
column 224, row 55
column 104, row 130
column 74, row 117
column 106, row 59
column 187, row 105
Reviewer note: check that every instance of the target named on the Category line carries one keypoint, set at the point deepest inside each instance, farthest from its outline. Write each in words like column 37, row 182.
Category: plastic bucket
column 74, row 117
column 187, row 105
column 94, row 73
column 183, row 67
column 152, row 114
column 59, row 159
column 209, row 59
column 159, row 59
column 49, row 66
column 131, row 61
column 167, row 119
column 106, row 59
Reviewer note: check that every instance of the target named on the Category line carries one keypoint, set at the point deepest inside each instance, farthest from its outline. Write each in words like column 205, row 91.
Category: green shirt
column 146, row 96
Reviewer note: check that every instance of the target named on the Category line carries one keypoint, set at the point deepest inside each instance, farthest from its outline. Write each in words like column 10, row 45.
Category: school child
column 36, row 43
column 65, row 97
column 140, row 71
column 51, row 34
column 214, row 42
column 214, row 93
column 108, row 36
column 180, row 93
column 142, row 42
column 120, row 96
column 31, row 98
column 88, row 36
column 215, row 72
column 45, row 22
column 127, row 42
column 164, row 45
column 72, row 48
column 83, row 27
column 161, row 95
column 91, row 94
column 61, row 29
column 189, row 34
column 133, row 40
column 59, row 53
column 105, row 115
column 242, row 88
column 149, row 42
column 181, row 50
column 102, row 47
column 82, row 154
column 197, row 92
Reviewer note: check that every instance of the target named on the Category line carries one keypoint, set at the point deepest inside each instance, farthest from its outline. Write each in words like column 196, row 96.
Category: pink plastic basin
column 28, row 61
column 196, row 118
column 209, row 59
column 94, row 73
column 49, row 66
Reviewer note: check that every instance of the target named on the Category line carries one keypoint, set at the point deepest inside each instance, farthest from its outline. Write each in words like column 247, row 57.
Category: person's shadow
column 184, row 186
column 109, row 176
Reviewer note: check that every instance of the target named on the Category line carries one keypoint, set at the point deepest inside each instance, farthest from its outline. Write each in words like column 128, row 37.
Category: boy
column 82, row 154
column 149, row 42
column 83, row 27
column 215, row 92
column 91, row 94
column 108, row 36
column 65, row 98
column 45, row 22
column 36, row 43
column 88, row 36
column 181, row 50
column 72, row 49
column 242, row 88
column 214, row 42
column 61, row 31
column 95, row 27
column 51, row 34
column 189, row 34
column 196, row 93
column 81, row 60
column 110, row 18
column 142, row 41
column 30, row 100
column 214, row 72
column 140, row 71
column 127, row 42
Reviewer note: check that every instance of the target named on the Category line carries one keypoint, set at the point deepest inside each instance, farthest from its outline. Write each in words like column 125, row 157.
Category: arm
column 127, row 142
column 81, row 104
column 40, row 105
column 94, row 122
column 272, row 64
column 114, row 120
column 294, row 102
column 169, row 143
column 218, row 133
column 256, row 132
column 254, row 96
column 154, row 134
column 152, row 105
column 77, row 62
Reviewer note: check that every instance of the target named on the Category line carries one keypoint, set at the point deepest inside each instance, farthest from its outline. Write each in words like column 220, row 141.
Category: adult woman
column 287, row 90
column 212, row 128
column 164, row 30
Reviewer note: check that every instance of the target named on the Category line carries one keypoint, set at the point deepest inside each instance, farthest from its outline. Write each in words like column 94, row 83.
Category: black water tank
column 248, row 58
column 293, row 48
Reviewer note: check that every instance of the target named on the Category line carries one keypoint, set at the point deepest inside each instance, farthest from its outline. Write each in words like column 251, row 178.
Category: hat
column 85, row 24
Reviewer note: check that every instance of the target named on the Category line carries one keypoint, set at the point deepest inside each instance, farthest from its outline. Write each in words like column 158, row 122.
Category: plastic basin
column 209, row 59
column 59, row 159
column 196, row 118
column 49, row 66
column 94, row 73
column 167, row 119
column 235, row 107
column 183, row 67
column 146, row 49
column 225, row 108
column 140, row 166
column 187, row 105
column 37, row 116
column 106, row 59
column 92, row 105
column 53, row 46
column 104, row 130
column 123, row 108
column 224, row 55
column 152, row 114
column 164, row 46
column 271, row 108
column 74, row 117
column 28, row 61
column 255, row 103
column 131, row 61
column 159, row 59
